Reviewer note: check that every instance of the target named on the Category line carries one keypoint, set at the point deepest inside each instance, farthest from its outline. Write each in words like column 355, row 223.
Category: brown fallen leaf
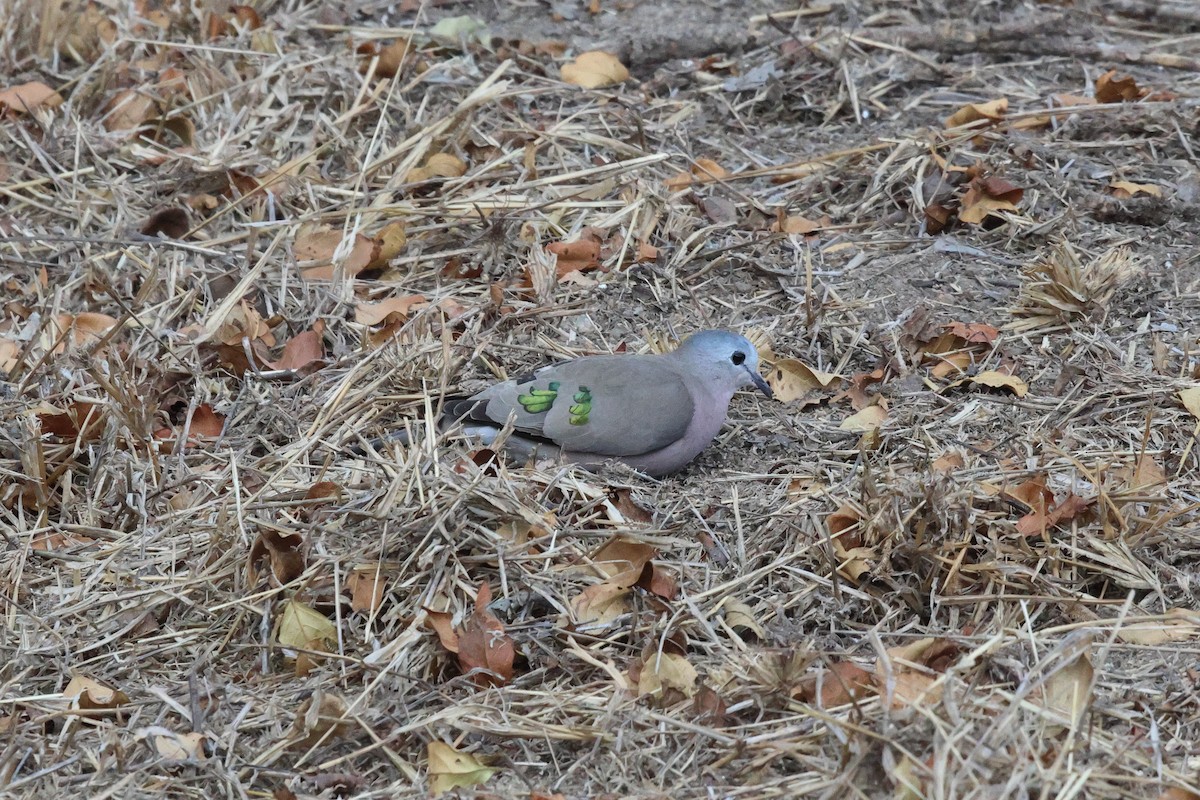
column 88, row 694
column 316, row 245
column 171, row 222
column 1114, row 88
column 865, row 421
column 282, row 550
column 322, row 717
column 581, row 255
column 485, row 651
column 843, row 682
column 800, row 225
column 908, row 675
column 987, row 197
column 595, row 69
column 367, row 585
column 1038, row 522
column 1126, row 189
column 26, row 98
column 302, row 351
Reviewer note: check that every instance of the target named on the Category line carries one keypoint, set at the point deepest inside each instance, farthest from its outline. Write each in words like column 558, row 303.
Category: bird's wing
column 606, row 405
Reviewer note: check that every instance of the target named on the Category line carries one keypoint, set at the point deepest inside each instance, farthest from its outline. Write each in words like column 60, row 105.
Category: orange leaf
column 397, row 307
column 1114, row 88
column 282, row 551
column 595, row 69
column 581, row 255
column 367, row 586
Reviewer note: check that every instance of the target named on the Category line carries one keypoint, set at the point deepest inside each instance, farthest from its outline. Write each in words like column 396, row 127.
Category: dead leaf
column 206, row 422
column 438, row 165
column 171, row 222
column 129, row 110
column 391, row 309
column 394, row 59
column 999, row 380
column 282, row 549
column 174, row 746
column 908, row 674
column 948, row 462
column 791, row 380
column 842, row 683
column 320, row 718
column 702, row 171
column 367, row 588
column 1038, row 522
column 449, row 769
column 301, row 352
column 595, row 69
column 1180, row 625
column 973, row 332
column 442, row 623
column 988, row 196
column 301, row 627
column 581, row 255
column 620, row 499
column 391, row 239
column 1190, row 398
column 485, row 651
column 865, row 421
column 661, row 672
column 800, row 225
column 1126, row 189
column 740, row 617
column 1114, row 88
column 317, row 245
column 1147, row 473
column 27, row 98
column 993, row 110
column 620, row 555
column 82, row 421
column 1067, row 692
column 88, row 694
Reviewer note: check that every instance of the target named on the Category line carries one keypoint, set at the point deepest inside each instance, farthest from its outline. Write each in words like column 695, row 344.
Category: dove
column 654, row 413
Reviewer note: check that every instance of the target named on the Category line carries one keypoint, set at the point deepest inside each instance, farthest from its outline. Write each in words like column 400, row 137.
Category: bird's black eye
column 738, row 357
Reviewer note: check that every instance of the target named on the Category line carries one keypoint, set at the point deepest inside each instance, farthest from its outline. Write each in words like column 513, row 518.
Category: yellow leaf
column 662, row 671
column 595, row 69
column 438, row 165
column 450, row 769
column 866, row 420
column 301, row 627
column 1123, row 189
column 791, row 379
column 740, row 615
column 1000, row 380
column 1191, row 400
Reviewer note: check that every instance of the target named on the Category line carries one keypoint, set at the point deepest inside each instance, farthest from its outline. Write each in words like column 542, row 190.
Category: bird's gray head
column 728, row 357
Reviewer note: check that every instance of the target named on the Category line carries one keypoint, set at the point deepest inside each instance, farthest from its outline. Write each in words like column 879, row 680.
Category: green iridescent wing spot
column 538, row 401
column 581, row 406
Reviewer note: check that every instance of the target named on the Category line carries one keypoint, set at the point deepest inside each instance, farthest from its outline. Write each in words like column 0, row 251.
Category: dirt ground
column 240, row 242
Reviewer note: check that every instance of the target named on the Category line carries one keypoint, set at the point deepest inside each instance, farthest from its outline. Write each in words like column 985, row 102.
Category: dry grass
column 126, row 558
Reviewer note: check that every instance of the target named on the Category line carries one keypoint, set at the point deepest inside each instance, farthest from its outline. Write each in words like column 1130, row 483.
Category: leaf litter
column 224, row 264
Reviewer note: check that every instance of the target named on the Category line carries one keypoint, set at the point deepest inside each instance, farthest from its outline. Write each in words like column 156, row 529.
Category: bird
column 654, row 413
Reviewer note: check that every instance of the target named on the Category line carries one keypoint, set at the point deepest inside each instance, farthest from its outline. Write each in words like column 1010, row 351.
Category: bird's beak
column 758, row 381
